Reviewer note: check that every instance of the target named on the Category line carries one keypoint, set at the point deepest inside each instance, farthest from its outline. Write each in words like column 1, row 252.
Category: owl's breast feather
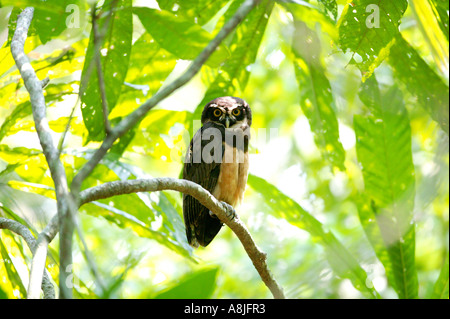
column 233, row 175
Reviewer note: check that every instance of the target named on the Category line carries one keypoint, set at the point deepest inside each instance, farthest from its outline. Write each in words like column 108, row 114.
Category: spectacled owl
column 217, row 159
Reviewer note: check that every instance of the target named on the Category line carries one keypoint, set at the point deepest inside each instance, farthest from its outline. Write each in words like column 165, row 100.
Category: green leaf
column 198, row 11
column 441, row 8
column 330, row 7
column 16, row 154
column 421, row 81
column 316, row 98
column 11, row 271
column 372, row 231
column 384, row 151
column 3, row 294
column 20, row 111
column 367, row 29
column 179, row 36
column 12, row 12
column 428, row 23
column 246, row 42
column 440, row 290
column 198, row 285
column 312, row 16
column 115, row 54
column 149, row 66
column 340, row 259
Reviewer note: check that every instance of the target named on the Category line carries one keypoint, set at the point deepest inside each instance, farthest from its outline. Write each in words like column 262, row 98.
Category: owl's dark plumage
column 217, row 160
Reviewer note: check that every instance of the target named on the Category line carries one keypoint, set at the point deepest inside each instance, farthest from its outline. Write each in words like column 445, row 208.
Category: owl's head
column 227, row 111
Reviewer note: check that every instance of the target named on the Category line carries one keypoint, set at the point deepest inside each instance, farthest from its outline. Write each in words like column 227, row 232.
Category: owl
column 217, row 159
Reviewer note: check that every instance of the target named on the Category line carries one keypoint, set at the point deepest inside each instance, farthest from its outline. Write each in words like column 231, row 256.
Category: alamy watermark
column 73, row 19
column 373, row 19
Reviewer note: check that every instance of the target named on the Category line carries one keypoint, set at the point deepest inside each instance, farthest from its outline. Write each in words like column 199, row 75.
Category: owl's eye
column 217, row 113
column 236, row 112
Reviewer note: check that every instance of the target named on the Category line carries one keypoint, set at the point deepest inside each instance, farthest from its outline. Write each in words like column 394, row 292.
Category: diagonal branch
column 257, row 257
column 65, row 204
column 127, row 123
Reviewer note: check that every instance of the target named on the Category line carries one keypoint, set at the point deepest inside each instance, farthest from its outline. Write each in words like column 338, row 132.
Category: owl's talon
column 231, row 213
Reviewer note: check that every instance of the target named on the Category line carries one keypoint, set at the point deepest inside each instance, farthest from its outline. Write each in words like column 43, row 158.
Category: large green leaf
column 340, row 259
column 149, row 65
column 428, row 24
column 179, row 36
column 114, row 54
column 197, row 285
column 16, row 154
column 11, row 271
column 440, row 8
column 316, row 98
column 420, row 80
column 373, row 233
column 246, row 42
column 198, row 11
column 384, row 151
column 367, row 29
column 148, row 68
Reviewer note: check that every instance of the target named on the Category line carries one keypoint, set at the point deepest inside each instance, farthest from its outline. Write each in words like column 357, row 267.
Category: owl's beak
column 227, row 122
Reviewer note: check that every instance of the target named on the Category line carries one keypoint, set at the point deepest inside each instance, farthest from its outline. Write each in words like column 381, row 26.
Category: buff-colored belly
column 233, row 176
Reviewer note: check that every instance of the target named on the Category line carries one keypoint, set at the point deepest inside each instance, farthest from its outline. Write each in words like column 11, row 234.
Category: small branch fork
column 19, row 229
column 69, row 201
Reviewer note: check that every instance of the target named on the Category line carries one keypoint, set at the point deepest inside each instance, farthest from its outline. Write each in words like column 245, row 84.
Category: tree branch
column 257, row 257
column 98, row 41
column 128, row 122
column 65, row 203
column 46, row 285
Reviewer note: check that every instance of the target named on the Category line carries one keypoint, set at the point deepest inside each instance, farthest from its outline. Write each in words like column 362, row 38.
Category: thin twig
column 66, row 129
column 128, row 122
column 257, row 257
column 90, row 260
column 44, row 82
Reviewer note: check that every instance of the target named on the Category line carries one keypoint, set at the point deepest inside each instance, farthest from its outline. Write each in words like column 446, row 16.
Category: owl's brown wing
column 201, row 227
